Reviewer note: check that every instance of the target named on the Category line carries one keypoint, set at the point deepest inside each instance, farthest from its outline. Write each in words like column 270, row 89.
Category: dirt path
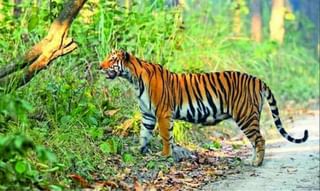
column 287, row 166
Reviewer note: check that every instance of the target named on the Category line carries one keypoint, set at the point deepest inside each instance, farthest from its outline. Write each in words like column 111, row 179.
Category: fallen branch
column 54, row 45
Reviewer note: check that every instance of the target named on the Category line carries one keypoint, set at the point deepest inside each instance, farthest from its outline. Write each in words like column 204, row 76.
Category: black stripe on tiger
column 199, row 98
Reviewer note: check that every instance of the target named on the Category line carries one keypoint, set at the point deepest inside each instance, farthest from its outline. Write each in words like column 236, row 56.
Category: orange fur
column 199, row 98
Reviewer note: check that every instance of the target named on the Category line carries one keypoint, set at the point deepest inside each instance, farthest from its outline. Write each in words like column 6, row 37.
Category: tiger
column 200, row 98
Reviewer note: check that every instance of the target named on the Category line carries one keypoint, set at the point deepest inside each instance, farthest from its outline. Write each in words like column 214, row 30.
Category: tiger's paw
column 179, row 154
column 254, row 163
column 144, row 150
column 257, row 162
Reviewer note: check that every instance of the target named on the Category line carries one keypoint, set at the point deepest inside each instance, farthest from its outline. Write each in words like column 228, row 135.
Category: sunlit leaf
column 55, row 188
column 128, row 158
column 45, row 154
column 92, row 120
column 151, row 164
column 26, row 105
column 33, row 19
column 66, row 119
column 290, row 16
column 96, row 132
column 20, row 167
column 18, row 141
column 106, row 147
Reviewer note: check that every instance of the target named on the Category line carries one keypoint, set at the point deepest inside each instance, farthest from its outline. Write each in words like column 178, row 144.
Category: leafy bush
column 20, row 168
column 112, row 146
column 180, row 131
column 13, row 108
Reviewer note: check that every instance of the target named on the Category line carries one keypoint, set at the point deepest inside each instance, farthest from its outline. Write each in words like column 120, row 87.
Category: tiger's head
column 115, row 64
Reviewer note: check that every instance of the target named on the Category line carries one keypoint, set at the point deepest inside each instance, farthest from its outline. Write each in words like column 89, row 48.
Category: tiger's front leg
column 147, row 126
column 169, row 147
column 166, row 135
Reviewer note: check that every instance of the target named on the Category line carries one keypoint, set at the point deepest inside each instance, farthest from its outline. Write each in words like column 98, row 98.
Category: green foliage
column 214, row 145
column 131, row 29
column 13, row 108
column 96, row 133
column 158, row 165
column 128, row 158
column 151, row 164
column 180, row 131
column 18, row 171
column 113, row 145
column 240, row 5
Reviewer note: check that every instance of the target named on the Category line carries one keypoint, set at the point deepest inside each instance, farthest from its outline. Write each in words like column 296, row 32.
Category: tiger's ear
column 126, row 56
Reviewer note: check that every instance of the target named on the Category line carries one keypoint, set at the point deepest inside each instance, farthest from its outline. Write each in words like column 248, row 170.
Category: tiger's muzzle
column 110, row 74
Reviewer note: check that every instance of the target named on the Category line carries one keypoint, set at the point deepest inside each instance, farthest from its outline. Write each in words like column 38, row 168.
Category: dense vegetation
column 82, row 120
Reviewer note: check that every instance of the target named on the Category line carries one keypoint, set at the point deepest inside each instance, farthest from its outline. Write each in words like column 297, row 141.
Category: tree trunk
column 55, row 44
column 256, row 21
column 277, row 21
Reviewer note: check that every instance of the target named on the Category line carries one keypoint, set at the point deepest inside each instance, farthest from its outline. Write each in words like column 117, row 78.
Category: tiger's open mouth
column 110, row 74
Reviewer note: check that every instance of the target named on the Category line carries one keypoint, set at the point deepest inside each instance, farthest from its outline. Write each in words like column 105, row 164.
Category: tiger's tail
column 275, row 114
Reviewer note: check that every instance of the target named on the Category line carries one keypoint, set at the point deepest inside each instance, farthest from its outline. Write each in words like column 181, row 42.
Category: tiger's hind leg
column 259, row 150
column 250, row 128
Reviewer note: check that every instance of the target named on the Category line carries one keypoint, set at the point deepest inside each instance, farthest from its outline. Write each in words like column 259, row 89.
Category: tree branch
column 54, row 45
